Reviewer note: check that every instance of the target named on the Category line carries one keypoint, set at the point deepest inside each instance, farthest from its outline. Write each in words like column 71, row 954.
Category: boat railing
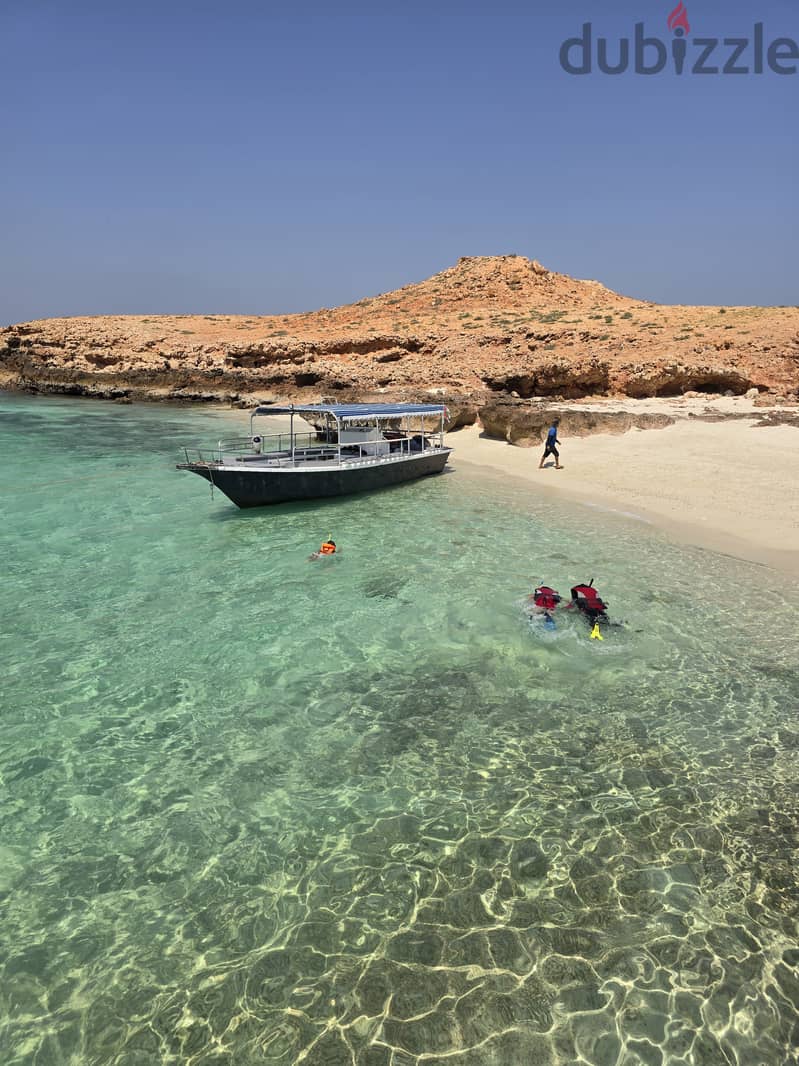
column 232, row 449
column 357, row 453
column 260, row 443
column 199, row 456
column 276, row 450
column 392, row 447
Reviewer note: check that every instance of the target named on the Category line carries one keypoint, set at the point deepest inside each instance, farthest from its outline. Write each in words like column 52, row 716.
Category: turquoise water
column 255, row 809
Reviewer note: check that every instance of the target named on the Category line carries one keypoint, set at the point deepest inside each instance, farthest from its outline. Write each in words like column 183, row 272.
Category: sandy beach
column 730, row 486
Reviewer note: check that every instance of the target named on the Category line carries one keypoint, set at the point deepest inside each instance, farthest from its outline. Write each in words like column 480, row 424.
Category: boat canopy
column 350, row 412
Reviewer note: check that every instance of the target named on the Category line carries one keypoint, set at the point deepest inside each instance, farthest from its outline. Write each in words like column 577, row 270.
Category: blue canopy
column 345, row 412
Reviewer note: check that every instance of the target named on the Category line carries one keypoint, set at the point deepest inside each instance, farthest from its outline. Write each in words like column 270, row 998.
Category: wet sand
column 730, row 485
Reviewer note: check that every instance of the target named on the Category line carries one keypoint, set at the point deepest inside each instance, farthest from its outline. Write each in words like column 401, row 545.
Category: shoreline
column 719, row 478
column 728, row 486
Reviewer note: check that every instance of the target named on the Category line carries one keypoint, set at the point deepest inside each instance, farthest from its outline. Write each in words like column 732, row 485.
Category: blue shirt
column 552, row 436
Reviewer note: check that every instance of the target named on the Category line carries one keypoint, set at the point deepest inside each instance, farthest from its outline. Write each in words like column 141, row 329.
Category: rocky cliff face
column 486, row 329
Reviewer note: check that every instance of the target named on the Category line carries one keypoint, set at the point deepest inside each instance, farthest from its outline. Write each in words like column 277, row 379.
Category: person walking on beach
column 551, row 445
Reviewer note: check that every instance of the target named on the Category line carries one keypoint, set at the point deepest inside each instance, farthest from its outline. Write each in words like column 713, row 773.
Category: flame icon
column 678, row 19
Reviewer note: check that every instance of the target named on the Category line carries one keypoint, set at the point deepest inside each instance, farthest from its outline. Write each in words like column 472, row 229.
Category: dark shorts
column 551, row 450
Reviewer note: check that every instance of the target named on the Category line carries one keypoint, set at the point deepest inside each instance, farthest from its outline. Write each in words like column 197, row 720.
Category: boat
column 325, row 450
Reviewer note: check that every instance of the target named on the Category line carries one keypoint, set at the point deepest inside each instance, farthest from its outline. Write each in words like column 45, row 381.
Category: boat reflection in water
column 326, row 450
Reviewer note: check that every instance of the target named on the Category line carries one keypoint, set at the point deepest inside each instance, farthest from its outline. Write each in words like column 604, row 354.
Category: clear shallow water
column 260, row 810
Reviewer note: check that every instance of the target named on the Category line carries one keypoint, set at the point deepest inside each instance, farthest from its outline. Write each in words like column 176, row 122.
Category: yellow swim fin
column 595, row 634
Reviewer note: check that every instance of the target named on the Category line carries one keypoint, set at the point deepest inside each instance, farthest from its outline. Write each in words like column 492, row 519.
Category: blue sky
column 253, row 157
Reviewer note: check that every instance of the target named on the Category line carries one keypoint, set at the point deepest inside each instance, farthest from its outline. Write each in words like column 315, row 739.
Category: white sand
column 729, row 486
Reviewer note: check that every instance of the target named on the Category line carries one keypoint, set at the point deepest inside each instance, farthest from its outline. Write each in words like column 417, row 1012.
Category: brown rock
column 526, row 425
column 483, row 329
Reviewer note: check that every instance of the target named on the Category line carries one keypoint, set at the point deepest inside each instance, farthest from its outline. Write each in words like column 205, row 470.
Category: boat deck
column 320, row 458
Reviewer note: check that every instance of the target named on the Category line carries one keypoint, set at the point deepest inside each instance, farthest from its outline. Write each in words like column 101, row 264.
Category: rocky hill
column 486, row 328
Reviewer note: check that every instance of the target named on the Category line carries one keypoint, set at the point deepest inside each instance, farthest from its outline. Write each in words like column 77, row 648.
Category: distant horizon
column 249, row 159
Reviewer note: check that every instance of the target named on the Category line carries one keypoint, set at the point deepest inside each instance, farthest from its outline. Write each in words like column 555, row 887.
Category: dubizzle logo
column 705, row 55
column 678, row 20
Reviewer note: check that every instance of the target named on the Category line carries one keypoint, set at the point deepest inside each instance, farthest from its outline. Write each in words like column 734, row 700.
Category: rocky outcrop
column 546, row 377
column 676, row 380
column 526, row 425
column 487, row 328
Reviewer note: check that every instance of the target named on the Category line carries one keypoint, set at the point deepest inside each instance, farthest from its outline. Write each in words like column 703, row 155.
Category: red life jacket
column 546, row 597
column 588, row 599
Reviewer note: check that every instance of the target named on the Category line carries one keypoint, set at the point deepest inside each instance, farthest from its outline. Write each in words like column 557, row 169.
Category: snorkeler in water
column 590, row 604
column 545, row 600
column 328, row 548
